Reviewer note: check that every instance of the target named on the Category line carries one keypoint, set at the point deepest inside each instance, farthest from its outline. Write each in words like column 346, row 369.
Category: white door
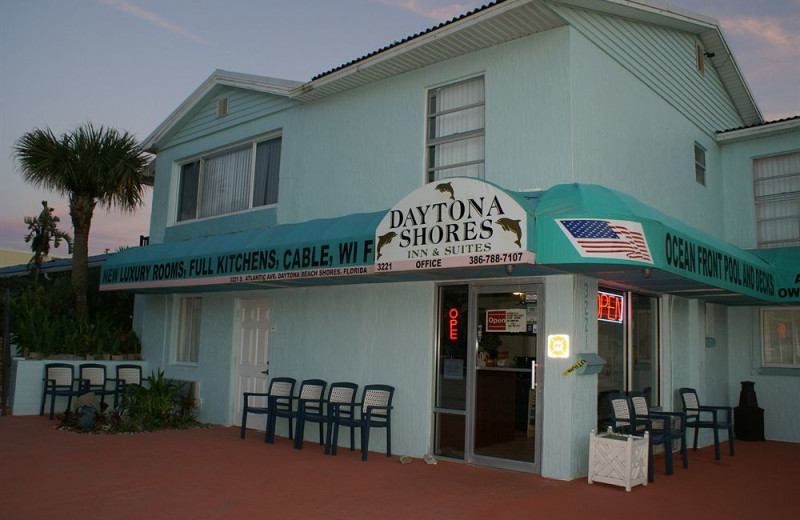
column 252, row 361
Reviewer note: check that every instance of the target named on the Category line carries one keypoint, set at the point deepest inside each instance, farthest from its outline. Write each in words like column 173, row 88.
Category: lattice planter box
column 618, row 459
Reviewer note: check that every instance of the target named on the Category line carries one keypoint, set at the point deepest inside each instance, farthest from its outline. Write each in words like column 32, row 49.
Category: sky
column 128, row 64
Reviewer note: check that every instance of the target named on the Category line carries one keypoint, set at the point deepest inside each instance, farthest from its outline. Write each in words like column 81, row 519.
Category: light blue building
column 470, row 212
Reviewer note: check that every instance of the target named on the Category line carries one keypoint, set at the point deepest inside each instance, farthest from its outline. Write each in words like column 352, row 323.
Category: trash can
column 748, row 418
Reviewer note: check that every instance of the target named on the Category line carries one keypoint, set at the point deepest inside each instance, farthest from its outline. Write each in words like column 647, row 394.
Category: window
column 700, row 164
column 630, row 345
column 456, row 130
column 230, row 181
column 776, row 185
column 780, row 337
column 189, row 330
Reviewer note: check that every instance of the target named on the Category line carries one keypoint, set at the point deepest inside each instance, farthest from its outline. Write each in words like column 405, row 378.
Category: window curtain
column 457, row 109
column 189, row 330
column 190, row 177
column 776, row 183
column 225, row 186
column 268, row 163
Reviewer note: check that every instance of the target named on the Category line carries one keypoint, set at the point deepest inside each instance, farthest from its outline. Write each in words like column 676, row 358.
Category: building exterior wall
column 737, row 157
column 587, row 103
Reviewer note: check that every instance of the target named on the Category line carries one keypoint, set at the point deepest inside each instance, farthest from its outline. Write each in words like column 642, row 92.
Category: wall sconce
column 646, row 272
column 509, row 269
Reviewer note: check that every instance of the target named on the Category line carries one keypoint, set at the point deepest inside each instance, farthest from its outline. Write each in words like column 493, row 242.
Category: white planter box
column 618, row 459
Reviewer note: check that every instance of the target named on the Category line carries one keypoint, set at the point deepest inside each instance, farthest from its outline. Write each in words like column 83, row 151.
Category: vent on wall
column 222, row 107
column 701, row 59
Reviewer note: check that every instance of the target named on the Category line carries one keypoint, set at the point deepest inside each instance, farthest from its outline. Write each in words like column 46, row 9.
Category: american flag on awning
column 620, row 239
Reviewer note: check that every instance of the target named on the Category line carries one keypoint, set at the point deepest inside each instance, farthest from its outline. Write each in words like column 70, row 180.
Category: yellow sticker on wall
column 574, row 367
column 558, row 346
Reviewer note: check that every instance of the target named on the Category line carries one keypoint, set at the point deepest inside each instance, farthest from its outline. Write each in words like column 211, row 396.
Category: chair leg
column 244, row 423
column 44, row 398
column 328, row 436
column 321, row 442
column 388, row 438
column 52, row 405
column 364, row 441
column 650, row 471
column 269, row 433
column 299, row 433
column 352, row 439
column 716, row 443
column 683, row 452
column 696, row 435
column 668, row 456
column 730, row 437
column 290, row 428
column 335, row 441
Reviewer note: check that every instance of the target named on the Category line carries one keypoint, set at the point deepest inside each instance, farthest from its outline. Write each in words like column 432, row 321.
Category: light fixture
column 646, row 272
column 509, row 269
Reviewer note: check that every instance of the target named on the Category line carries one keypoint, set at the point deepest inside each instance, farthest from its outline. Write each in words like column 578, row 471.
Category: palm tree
column 43, row 230
column 90, row 166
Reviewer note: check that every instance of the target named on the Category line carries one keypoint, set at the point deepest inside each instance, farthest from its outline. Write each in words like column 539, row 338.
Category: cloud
column 769, row 30
column 147, row 16
column 423, row 8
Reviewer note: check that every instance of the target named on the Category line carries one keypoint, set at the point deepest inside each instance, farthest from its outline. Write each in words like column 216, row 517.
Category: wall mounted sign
column 454, row 222
column 558, row 346
column 506, row 320
column 610, row 307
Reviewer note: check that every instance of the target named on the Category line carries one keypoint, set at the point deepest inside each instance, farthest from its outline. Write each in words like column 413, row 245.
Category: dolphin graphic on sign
column 511, row 225
column 446, row 187
column 384, row 240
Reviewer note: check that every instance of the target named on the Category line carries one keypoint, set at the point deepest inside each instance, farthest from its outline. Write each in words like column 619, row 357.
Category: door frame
column 489, row 287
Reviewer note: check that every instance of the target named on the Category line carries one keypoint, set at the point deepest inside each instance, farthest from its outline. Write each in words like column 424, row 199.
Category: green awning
column 491, row 232
column 317, row 249
column 584, row 225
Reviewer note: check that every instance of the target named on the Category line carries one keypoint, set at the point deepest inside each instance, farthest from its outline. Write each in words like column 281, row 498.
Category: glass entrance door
column 505, row 395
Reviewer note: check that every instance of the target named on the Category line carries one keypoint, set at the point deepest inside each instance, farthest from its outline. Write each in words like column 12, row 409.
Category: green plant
column 159, row 403
column 32, row 328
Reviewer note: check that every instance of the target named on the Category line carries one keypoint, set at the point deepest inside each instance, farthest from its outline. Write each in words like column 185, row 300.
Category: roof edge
column 268, row 85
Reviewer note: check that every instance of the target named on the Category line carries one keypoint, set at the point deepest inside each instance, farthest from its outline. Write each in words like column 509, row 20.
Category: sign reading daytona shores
column 454, row 222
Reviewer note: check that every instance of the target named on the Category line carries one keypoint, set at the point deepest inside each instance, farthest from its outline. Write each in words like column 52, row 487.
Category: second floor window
column 456, row 130
column 230, row 181
column 700, row 164
column 776, row 185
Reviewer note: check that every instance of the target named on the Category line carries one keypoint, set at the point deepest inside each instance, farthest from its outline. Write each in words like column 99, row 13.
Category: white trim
column 267, row 85
column 764, row 130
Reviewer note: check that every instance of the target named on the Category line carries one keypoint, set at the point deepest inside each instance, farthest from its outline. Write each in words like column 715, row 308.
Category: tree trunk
column 81, row 209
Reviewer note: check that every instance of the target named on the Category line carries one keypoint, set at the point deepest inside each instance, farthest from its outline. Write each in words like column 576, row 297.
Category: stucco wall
column 777, row 390
column 381, row 333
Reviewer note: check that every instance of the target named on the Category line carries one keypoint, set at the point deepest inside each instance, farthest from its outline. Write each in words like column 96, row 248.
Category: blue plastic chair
column 693, row 410
column 309, row 401
column 59, row 381
column 127, row 375
column 281, row 388
column 662, row 429
column 375, row 412
column 93, row 378
column 341, row 394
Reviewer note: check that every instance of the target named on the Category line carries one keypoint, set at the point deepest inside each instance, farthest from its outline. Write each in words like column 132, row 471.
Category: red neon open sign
column 453, row 314
column 609, row 307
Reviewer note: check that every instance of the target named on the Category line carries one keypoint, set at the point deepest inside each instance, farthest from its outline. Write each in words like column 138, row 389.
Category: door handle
column 533, row 375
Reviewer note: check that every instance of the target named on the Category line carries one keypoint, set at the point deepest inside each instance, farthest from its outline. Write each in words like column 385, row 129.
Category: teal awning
column 582, row 225
column 569, row 228
column 310, row 250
